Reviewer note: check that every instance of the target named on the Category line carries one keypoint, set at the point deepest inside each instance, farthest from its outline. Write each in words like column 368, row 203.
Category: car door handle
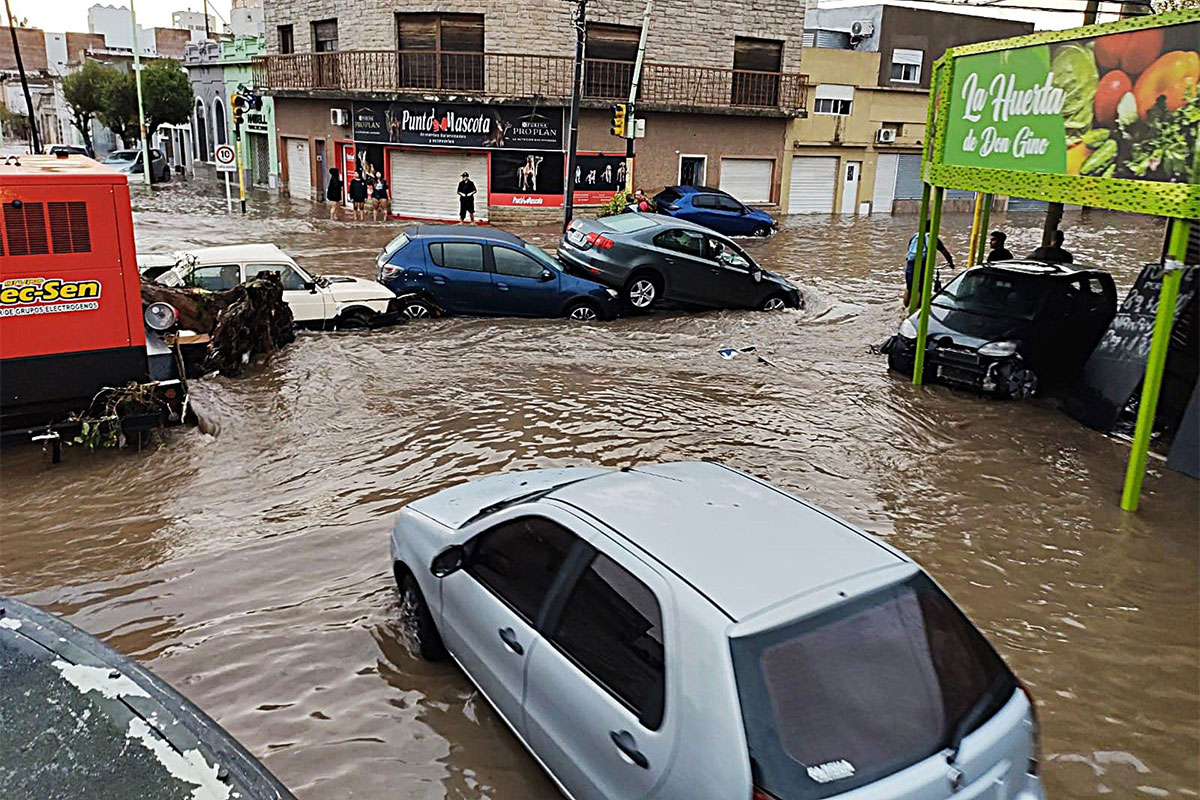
column 418, row 274
column 502, row 287
column 625, row 743
column 509, row 637
column 439, row 281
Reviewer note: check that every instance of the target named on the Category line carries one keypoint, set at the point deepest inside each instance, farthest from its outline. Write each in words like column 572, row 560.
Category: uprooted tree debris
column 248, row 320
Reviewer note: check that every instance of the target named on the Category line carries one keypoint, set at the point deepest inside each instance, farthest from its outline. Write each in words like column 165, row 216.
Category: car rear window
column 667, row 195
column 627, row 223
column 395, row 246
column 849, row 696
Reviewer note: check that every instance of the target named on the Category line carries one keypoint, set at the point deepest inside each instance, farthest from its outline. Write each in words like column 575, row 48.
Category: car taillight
column 761, row 794
column 1034, row 767
column 599, row 240
column 388, row 271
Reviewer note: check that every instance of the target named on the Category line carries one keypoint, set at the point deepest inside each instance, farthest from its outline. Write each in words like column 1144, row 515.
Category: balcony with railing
column 514, row 76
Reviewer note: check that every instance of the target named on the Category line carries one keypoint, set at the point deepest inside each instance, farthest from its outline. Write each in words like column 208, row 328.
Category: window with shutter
column 440, row 50
column 756, row 67
column 611, row 53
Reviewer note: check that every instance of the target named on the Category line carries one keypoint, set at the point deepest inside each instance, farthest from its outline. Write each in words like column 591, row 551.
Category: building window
column 325, row 36
column 287, row 40
column 833, row 99
column 906, row 65
column 440, row 50
column 611, row 53
column 219, row 136
column 756, row 67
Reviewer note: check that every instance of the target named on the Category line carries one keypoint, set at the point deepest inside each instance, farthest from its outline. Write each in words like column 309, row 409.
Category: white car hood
column 345, row 288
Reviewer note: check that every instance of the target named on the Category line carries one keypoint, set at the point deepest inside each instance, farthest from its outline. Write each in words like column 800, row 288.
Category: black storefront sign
column 466, row 125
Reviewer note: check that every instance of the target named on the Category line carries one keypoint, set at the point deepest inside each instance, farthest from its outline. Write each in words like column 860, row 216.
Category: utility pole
column 137, row 79
column 633, row 91
column 207, row 32
column 35, row 145
column 579, row 17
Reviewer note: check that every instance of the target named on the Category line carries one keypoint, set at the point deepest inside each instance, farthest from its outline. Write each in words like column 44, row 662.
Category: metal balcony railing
column 514, row 75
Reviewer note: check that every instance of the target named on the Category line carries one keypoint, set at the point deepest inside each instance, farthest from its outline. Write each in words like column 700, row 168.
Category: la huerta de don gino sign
column 1123, row 105
column 465, row 125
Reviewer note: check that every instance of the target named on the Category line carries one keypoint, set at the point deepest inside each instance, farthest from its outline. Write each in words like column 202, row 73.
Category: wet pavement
column 250, row 569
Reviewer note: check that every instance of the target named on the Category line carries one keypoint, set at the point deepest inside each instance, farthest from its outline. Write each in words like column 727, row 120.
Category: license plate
column 576, row 237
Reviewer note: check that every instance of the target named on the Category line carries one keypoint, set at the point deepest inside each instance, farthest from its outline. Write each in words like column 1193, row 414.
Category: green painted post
column 913, row 295
column 981, row 254
column 935, row 225
column 1156, row 362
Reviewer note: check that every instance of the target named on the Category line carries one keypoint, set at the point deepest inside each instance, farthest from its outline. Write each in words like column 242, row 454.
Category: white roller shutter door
column 424, row 185
column 747, row 179
column 299, row 169
column 814, row 184
column 885, row 183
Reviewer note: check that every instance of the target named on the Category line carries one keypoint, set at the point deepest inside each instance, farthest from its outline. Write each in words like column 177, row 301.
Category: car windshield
column 121, row 156
column 841, row 699
column 393, row 247
column 996, row 294
column 542, row 256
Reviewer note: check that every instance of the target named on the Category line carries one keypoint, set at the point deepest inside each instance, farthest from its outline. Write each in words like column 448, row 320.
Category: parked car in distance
column 130, row 163
column 714, row 209
column 489, row 272
column 67, row 150
column 1010, row 327
column 649, row 258
column 317, row 301
column 688, row 631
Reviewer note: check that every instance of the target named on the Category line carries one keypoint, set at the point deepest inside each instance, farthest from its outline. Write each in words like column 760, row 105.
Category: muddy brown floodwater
column 250, row 569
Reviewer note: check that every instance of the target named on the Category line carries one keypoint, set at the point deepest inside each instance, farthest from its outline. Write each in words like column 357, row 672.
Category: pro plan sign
column 225, row 157
column 465, row 125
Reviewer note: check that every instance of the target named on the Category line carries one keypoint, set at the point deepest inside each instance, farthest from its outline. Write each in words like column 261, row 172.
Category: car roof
column 741, row 543
column 663, row 221
column 473, row 234
column 1029, row 266
column 699, row 190
column 255, row 251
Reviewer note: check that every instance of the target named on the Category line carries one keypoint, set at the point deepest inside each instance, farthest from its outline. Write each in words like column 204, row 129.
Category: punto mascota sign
column 1107, row 120
column 467, row 125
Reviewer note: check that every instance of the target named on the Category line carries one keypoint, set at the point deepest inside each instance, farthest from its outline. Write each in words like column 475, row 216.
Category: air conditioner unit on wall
column 885, row 136
column 339, row 117
column 861, row 29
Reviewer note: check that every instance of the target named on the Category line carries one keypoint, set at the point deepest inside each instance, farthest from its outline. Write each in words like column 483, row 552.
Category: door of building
column 884, row 191
column 425, row 185
column 691, row 170
column 260, row 160
column 299, row 169
column 748, row 179
column 814, row 184
column 851, row 174
column 349, row 166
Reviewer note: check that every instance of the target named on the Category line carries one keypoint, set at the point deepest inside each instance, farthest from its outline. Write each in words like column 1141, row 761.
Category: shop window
column 756, row 67
column 906, row 65
column 611, row 53
column 440, row 50
column 287, row 39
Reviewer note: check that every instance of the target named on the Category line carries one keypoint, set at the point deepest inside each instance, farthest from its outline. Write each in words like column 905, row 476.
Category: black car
column 1009, row 328
column 649, row 258
column 63, row 150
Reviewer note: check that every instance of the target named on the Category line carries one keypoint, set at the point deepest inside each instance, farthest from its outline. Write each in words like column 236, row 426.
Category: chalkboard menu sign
column 1118, row 364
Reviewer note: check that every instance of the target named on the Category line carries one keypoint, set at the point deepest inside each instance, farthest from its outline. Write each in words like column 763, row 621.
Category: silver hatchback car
column 688, row 631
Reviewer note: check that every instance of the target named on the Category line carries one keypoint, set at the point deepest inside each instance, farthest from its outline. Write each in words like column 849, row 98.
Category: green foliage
column 119, row 112
column 100, row 423
column 166, row 99
column 616, row 205
column 13, row 124
column 84, row 92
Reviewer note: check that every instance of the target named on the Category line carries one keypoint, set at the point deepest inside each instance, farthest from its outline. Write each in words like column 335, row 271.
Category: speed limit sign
column 226, row 158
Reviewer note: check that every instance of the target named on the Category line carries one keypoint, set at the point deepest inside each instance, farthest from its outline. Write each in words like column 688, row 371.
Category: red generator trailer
column 71, row 318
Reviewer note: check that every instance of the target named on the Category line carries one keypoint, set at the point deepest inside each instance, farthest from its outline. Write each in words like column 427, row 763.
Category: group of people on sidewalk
column 363, row 190
column 1053, row 253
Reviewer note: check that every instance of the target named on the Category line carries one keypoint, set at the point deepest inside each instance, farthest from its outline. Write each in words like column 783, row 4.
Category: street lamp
column 137, row 78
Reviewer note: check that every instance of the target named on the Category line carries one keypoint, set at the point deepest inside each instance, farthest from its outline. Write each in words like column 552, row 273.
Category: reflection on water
column 251, row 569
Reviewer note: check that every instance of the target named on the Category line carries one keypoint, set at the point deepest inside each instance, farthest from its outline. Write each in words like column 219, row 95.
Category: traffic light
column 619, row 111
column 240, row 105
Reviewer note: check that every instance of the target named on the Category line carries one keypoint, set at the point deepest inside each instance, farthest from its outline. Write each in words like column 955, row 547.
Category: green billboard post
column 1104, row 116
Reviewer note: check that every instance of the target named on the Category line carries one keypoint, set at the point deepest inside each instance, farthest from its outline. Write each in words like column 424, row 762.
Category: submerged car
column 1010, row 328
column 715, row 209
column 649, row 258
column 317, row 301
column 688, row 631
column 446, row 268
column 129, row 162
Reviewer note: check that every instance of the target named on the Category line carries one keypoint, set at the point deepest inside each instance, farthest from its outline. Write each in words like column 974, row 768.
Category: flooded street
column 251, row 568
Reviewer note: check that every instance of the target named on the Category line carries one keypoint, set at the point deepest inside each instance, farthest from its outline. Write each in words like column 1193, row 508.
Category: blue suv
column 714, row 209
column 456, row 270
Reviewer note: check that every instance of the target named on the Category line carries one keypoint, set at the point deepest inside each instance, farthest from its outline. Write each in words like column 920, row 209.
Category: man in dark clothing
column 466, row 199
column 333, row 194
column 1055, row 254
column 379, row 198
column 998, row 252
column 358, row 196
column 910, row 266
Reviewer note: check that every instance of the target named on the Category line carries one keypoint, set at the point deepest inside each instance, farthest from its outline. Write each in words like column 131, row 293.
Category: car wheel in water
column 761, row 230
column 582, row 311
column 417, row 620
column 417, row 309
column 642, row 292
column 354, row 320
column 775, row 302
column 1018, row 382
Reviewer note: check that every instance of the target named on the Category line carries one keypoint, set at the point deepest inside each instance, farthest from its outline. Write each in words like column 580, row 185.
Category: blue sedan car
column 714, row 209
column 456, row 270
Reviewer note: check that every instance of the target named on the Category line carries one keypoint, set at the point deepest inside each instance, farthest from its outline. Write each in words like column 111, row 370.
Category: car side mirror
column 744, row 211
column 547, row 275
column 311, row 286
column 448, row 561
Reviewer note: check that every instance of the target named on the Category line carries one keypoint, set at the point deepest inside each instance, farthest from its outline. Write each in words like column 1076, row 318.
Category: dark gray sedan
column 648, row 258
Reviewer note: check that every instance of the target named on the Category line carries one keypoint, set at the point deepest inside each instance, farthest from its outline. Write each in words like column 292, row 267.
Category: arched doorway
column 200, row 132
column 219, row 133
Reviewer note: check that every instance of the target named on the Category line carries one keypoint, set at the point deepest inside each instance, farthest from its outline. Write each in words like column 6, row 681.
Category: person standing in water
column 333, row 194
column 466, row 199
column 379, row 198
